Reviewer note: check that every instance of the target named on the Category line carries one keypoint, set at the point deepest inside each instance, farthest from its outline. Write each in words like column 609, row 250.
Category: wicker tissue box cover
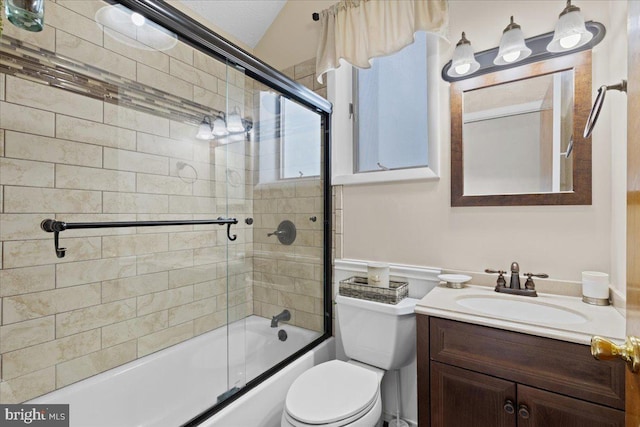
column 358, row 287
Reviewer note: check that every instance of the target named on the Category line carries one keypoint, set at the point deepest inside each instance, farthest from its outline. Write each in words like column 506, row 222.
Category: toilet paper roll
column 595, row 284
column 378, row 274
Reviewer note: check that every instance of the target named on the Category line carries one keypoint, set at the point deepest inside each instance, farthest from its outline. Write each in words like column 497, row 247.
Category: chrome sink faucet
column 514, row 287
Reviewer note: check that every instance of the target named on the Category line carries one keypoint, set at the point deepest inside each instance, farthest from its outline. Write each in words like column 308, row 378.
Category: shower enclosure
column 159, row 188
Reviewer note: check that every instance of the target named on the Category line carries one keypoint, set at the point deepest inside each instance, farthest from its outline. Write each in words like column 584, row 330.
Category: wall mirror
column 516, row 135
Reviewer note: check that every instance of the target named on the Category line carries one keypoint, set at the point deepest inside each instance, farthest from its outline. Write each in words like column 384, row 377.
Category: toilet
column 376, row 337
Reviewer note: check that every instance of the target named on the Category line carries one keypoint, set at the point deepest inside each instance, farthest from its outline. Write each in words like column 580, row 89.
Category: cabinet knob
column 508, row 407
column 604, row 349
column 523, row 411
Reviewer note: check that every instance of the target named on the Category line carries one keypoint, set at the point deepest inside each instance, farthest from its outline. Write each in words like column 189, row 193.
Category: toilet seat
column 332, row 394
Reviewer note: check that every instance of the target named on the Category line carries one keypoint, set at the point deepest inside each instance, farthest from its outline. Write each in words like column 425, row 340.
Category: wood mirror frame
column 580, row 63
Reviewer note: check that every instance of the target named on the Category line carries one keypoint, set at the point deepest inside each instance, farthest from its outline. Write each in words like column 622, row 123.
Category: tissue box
column 358, row 287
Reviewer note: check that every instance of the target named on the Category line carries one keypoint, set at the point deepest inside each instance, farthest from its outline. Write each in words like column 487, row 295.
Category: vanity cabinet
column 477, row 376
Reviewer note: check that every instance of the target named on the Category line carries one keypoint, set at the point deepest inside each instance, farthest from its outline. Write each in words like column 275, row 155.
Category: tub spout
column 282, row 317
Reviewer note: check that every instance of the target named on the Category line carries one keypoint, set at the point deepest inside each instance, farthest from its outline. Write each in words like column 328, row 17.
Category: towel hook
column 597, row 105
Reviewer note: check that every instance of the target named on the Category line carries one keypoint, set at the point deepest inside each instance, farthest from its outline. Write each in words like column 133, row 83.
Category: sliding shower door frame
column 202, row 38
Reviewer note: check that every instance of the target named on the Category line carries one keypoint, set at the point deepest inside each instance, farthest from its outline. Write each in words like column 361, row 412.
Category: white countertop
column 604, row 321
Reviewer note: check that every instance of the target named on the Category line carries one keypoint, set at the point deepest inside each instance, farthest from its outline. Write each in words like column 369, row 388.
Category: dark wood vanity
column 477, row 376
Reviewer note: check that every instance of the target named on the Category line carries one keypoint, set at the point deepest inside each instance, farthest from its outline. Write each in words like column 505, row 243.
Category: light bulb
column 570, row 41
column 511, row 57
column 137, row 19
column 463, row 69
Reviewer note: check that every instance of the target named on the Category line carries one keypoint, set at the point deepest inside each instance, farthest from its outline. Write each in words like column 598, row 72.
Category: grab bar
column 55, row 227
column 597, row 105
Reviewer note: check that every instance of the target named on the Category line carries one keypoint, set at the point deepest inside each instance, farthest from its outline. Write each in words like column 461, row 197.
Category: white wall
column 413, row 223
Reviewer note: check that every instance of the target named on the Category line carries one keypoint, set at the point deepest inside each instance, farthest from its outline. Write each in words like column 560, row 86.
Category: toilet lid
column 330, row 392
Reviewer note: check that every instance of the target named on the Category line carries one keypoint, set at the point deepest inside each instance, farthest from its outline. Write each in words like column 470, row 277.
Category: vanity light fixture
column 205, row 129
column 234, row 122
column 219, row 127
column 463, row 61
column 570, row 32
column 512, row 45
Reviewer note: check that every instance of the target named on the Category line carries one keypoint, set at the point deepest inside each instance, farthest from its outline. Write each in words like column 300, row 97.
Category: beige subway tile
column 163, row 300
column 134, row 328
column 88, row 318
column 153, row 144
column 209, row 289
column 77, row 273
column 25, row 146
column 322, row 92
column 192, row 240
column 95, row 363
column 135, row 244
column 73, row 23
column 182, row 51
column 165, row 82
column 39, row 304
column 159, row 184
column 27, row 280
column 26, row 173
column 210, row 322
column 193, row 75
column 274, row 281
column 87, row 8
column 209, row 255
column 129, row 287
column 164, row 261
column 263, row 294
column 296, row 269
column 306, row 82
column 89, row 53
column 49, row 98
column 315, row 322
column 305, row 68
column 31, row 359
column 135, row 203
column 26, row 119
column 95, row 133
column 29, row 386
column 25, row 334
column 297, row 302
column 297, row 205
column 192, row 204
column 133, row 49
column 164, row 338
column 311, row 288
column 135, row 162
column 40, row 252
column 47, row 200
column 265, row 265
column 83, row 178
column 135, row 120
column 209, row 98
column 191, row 275
column 311, row 188
column 210, row 65
column 191, row 311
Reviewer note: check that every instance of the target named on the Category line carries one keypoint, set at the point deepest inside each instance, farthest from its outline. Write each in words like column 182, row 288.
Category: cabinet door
column 538, row 408
column 461, row 398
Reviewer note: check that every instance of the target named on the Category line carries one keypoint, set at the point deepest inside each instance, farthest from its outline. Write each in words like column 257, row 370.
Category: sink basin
column 516, row 309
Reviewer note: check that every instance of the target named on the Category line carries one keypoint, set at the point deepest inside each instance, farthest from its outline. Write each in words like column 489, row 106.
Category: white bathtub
column 169, row 387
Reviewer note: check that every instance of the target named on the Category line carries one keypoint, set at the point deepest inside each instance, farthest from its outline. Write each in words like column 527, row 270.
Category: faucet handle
column 529, row 283
column 500, row 282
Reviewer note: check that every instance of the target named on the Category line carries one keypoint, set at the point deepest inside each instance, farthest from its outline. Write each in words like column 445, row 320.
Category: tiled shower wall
column 119, row 294
column 295, row 280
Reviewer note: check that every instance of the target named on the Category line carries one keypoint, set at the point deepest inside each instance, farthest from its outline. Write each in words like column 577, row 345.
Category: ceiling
column 246, row 20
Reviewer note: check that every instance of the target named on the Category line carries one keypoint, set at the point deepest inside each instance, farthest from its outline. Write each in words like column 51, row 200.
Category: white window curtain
column 359, row 30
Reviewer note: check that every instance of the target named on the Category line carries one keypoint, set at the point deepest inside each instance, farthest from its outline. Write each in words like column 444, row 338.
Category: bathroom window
column 383, row 117
column 390, row 111
column 300, row 141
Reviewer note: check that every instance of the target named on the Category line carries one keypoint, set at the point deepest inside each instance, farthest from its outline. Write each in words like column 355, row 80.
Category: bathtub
column 171, row 386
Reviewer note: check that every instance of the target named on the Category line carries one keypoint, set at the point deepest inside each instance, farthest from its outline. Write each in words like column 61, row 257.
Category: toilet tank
column 378, row 334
